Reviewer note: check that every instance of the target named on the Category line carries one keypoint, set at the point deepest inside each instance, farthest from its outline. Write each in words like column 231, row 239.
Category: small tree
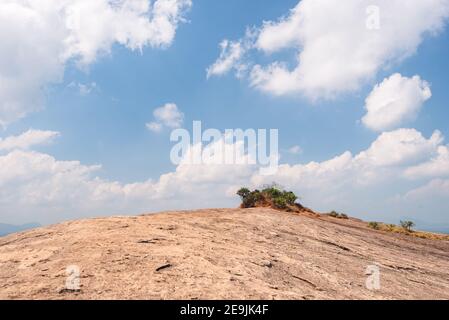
column 249, row 198
column 407, row 225
column 243, row 193
column 290, row 197
column 252, row 199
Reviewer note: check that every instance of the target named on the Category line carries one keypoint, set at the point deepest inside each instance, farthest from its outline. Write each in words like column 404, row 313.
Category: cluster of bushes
column 404, row 226
column 270, row 196
column 335, row 214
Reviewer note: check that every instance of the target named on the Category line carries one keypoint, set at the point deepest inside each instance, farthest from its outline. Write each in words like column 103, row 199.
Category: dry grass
column 398, row 229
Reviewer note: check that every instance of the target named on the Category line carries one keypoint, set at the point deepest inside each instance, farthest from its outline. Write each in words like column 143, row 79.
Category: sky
column 90, row 92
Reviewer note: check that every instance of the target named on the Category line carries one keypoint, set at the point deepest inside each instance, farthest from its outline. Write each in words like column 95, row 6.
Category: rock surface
column 221, row 254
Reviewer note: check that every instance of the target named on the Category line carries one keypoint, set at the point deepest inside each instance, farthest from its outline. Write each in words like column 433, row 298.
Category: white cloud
column 400, row 147
column 36, row 186
column 394, row 101
column 282, row 34
column 437, row 166
column 295, row 150
column 40, row 37
column 28, row 139
column 336, row 51
column 166, row 116
column 232, row 56
column 358, row 182
column 84, row 89
column 231, row 53
column 312, row 175
column 390, row 153
column 426, row 204
column 387, row 157
column 36, row 183
column 154, row 126
column 95, row 25
column 430, row 191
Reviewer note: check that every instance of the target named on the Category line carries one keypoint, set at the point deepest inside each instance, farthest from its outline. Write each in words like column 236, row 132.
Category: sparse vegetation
column 374, row 225
column 407, row 225
column 335, row 214
column 274, row 196
column 270, row 196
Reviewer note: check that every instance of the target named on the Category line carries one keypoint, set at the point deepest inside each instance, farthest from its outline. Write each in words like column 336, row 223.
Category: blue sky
column 106, row 126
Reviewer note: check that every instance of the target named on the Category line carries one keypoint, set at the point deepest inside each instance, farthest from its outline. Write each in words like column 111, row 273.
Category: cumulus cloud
column 437, row 166
column 394, row 101
column 231, row 53
column 166, row 116
column 28, row 139
column 361, row 180
column 40, row 37
column 37, row 184
column 400, row 147
column 33, row 182
column 338, row 48
column 232, row 56
column 434, row 189
column 396, row 149
column 52, row 190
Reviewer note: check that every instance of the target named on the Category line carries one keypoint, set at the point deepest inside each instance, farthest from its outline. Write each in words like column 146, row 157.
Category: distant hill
column 6, row 229
column 256, row 253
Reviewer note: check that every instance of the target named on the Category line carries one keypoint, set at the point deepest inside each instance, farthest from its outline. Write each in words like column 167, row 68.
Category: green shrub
column 251, row 199
column 270, row 195
column 243, row 193
column 407, row 225
column 333, row 214
column 374, row 225
column 280, row 202
column 290, row 197
column 272, row 192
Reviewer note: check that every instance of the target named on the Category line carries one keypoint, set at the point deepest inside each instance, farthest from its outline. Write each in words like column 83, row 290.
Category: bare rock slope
column 221, row 254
